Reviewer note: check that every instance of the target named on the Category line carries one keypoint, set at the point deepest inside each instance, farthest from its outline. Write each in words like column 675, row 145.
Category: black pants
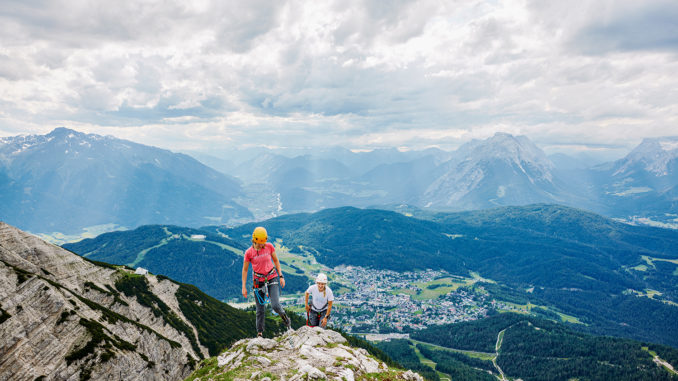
column 314, row 317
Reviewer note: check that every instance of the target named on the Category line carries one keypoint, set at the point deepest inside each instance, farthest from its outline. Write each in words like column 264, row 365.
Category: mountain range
column 500, row 171
column 67, row 181
column 613, row 276
column 646, row 179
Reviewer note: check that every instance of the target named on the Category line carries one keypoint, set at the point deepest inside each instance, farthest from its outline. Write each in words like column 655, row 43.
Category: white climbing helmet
column 321, row 278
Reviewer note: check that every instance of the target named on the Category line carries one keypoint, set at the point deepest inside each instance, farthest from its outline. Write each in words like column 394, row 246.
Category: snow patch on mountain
column 669, row 146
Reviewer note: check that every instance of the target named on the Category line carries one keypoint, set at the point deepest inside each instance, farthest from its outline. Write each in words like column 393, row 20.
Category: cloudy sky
column 595, row 75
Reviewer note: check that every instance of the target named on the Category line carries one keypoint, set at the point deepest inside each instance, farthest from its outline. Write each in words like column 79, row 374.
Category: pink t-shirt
column 261, row 260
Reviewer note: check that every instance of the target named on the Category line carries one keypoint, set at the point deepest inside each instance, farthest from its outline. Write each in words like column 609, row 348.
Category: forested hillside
column 537, row 349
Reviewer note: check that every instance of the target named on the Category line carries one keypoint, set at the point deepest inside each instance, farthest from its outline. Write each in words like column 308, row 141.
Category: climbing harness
column 260, row 281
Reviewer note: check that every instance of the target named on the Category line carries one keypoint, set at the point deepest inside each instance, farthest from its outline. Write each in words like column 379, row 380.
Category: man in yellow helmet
column 267, row 275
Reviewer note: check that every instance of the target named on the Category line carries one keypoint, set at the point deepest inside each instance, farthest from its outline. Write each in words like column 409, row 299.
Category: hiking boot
column 286, row 320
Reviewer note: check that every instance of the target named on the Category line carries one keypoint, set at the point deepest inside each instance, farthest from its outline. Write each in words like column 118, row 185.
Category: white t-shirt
column 319, row 301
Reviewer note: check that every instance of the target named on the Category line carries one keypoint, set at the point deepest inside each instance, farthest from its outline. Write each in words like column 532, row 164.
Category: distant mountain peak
column 506, row 146
column 62, row 131
column 504, row 167
column 652, row 154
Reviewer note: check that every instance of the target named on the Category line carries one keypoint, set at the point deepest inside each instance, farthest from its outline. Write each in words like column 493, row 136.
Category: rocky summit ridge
column 309, row 353
column 61, row 318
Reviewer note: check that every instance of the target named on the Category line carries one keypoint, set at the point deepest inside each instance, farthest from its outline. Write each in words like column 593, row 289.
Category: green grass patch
column 405, row 291
column 223, row 246
column 538, row 310
column 651, row 260
column 209, row 369
column 569, row 318
column 473, row 354
column 142, row 253
column 434, row 289
column 303, row 263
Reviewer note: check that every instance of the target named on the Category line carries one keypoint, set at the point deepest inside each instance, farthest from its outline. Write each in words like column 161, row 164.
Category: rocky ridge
column 309, row 353
column 62, row 318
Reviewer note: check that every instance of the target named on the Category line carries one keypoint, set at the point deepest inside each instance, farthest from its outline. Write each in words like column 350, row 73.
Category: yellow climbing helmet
column 259, row 235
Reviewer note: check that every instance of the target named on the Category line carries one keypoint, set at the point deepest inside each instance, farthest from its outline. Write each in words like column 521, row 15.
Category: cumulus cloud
column 361, row 73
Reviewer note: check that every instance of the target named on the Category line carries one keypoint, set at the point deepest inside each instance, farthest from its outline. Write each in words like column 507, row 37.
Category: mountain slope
column 66, row 180
column 63, row 316
column 502, row 170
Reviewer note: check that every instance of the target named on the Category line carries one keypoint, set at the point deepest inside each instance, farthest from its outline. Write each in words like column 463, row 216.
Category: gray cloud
column 649, row 26
column 357, row 72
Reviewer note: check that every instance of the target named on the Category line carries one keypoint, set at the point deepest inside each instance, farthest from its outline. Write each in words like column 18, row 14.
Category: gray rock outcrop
column 62, row 318
column 309, row 353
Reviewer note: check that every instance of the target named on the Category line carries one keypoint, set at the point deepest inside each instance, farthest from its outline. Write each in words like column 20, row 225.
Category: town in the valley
column 383, row 301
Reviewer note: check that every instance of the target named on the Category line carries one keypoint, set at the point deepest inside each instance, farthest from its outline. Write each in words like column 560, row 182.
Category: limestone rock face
column 62, row 317
column 308, row 353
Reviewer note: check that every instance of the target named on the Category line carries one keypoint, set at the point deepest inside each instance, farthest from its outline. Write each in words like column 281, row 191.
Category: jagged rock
column 260, row 343
column 64, row 319
column 309, row 353
column 410, row 376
